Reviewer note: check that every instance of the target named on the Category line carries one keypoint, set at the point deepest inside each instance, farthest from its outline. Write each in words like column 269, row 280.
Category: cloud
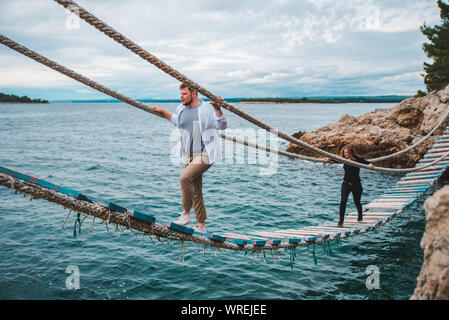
column 233, row 48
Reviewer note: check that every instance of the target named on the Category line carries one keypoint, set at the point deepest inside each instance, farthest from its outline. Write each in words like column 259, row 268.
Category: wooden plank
column 395, row 200
column 441, row 144
column 410, row 188
column 290, row 235
column 435, row 155
column 407, row 189
column 399, row 196
column 388, row 204
column 391, row 207
column 269, row 235
column 287, row 238
column 386, row 207
column 430, row 174
column 414, row 182
column 425, row 161
column 420, row 177
column 431, row 157
column 438, row 150
column 333, row 233
column 404, row 189
column 393, row 193
column 236, row 236
column 378, row 214
column 303, row 232
column 358, row 225
column 382, row 204
column 364, row 222
column 369, row 219
column 342, row 229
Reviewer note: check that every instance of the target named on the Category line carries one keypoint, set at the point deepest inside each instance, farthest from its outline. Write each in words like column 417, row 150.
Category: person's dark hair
column 182, row 86
column 352, row 153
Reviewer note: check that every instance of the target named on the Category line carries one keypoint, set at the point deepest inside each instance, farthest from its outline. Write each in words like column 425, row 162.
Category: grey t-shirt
column 192, row 143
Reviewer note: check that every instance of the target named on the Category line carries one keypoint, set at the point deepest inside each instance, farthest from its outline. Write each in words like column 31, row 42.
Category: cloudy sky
column 234, row 48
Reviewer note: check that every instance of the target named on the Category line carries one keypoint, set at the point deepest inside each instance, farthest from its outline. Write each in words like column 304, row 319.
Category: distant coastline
column 324, row 99
column 361, row 99
column 12, row 98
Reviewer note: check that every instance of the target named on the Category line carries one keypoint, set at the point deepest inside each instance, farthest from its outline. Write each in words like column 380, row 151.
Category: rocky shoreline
column 433, row 280
column 383, row 131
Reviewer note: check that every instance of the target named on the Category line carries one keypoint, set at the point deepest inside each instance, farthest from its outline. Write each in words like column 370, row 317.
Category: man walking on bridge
column 199, row 147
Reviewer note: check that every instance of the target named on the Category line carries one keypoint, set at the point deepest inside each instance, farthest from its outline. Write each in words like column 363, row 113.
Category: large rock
column 383, row 131
column 433, row 281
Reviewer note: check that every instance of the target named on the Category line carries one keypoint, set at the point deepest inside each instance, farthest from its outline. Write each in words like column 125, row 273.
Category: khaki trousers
column 191, row 185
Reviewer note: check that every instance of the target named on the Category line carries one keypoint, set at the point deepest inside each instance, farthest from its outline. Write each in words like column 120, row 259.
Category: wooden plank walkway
column 379, row 212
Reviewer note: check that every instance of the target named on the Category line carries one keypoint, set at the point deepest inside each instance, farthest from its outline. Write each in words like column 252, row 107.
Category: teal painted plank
column 240, row 242
column 217, row 237
column 116, row 207
column 144, row 216
column 83, row 197
column 180, row 228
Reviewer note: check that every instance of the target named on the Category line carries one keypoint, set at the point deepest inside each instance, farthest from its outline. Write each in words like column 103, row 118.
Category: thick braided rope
column 74, row 75
column 110, row 216
column 127, row 43
column 272, row 150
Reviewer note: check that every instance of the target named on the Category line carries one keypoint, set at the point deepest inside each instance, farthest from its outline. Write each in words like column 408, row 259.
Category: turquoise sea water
column 113, row 151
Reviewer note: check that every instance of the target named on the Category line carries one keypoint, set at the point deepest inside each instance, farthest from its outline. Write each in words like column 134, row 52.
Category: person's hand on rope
column 167, row 115
column 217, row 107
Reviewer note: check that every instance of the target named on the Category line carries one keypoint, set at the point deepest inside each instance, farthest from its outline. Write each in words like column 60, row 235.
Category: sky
column 233, row 48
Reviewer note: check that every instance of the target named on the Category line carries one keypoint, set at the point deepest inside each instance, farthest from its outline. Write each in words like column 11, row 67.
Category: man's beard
column 186, row 104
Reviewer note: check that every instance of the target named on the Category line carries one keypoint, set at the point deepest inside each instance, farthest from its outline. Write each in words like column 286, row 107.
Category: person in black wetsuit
column 351, row 183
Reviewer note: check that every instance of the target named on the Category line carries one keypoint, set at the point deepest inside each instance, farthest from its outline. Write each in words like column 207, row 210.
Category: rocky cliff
column 433, row 281
column 383, row 131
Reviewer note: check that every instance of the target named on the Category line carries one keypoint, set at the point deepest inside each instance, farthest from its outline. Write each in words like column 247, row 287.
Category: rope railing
column 127, row 43
column 95, row 85
column 108, row 216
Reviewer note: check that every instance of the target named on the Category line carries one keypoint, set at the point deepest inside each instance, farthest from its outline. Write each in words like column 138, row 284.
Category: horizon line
column 238, row 98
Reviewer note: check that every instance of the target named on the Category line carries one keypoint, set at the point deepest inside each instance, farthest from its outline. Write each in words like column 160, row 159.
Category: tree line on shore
column 7, row 98
column 436, row 73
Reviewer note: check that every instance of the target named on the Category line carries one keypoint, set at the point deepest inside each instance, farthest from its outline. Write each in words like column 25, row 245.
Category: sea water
column 116, row 152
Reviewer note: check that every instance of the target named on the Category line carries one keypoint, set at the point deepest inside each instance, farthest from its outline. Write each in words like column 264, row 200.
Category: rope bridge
column 379, row 212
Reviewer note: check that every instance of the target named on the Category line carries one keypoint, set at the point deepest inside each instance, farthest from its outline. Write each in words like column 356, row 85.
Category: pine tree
column 436, row 75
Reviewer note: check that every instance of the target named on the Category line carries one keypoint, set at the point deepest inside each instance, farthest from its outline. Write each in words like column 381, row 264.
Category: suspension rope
column 127, row 43
column 74, row 75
